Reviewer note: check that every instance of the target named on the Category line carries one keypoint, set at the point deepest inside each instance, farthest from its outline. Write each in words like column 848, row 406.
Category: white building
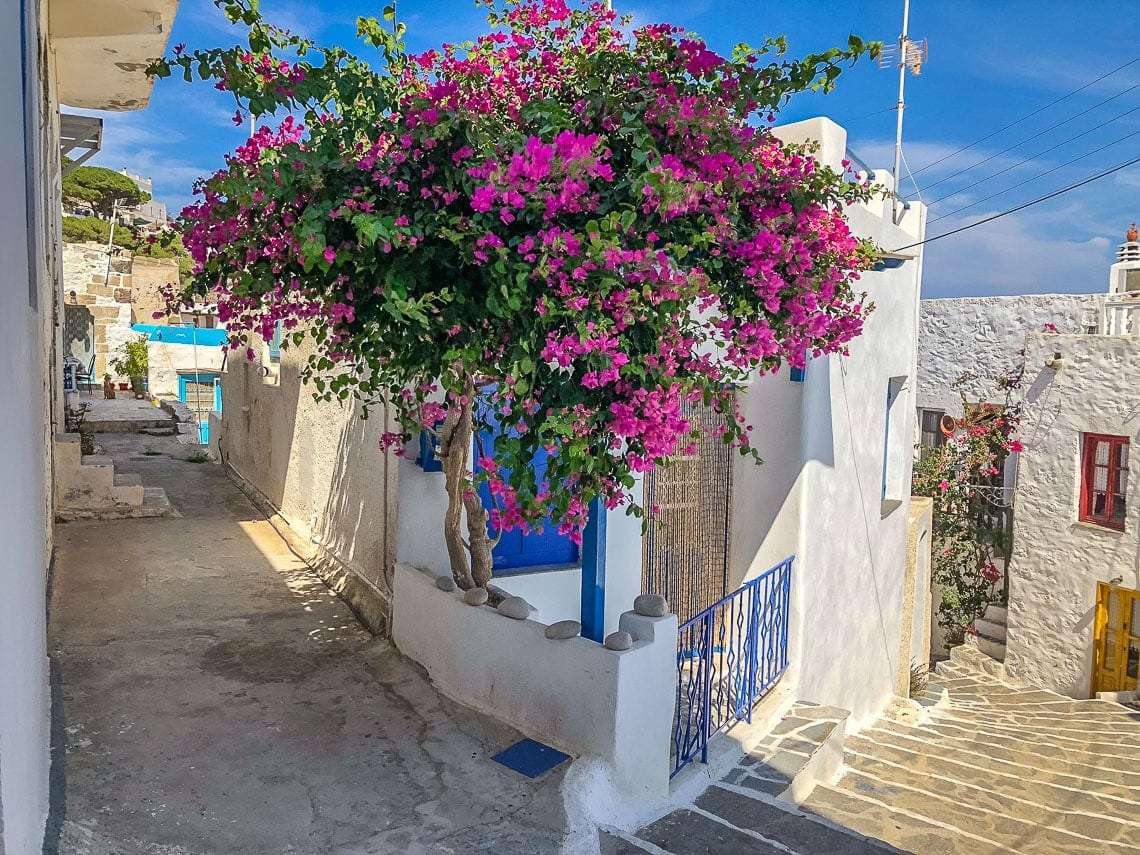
column 51, row 52
column 834, row 492
column 150, row 213
column 1073, row 611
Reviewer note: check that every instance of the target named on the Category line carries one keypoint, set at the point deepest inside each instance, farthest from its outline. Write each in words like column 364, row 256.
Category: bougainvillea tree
column 568, row 227
column 961, row 477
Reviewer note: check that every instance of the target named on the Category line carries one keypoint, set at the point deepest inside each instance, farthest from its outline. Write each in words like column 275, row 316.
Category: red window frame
column 1099, row 506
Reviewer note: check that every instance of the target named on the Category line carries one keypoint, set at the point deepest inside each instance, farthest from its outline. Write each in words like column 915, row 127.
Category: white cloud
column 1034, row 253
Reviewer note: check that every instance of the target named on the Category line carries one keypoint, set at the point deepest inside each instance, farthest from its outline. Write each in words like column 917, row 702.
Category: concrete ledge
column 610, row 706
column 370, row 604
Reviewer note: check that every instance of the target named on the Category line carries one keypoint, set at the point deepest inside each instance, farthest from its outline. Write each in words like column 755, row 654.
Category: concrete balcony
column 103, row 47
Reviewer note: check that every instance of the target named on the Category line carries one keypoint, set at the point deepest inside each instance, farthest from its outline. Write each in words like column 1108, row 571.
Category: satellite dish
column 947, row 424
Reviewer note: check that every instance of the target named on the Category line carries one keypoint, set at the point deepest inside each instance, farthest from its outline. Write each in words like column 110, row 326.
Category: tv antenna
column 907, row 55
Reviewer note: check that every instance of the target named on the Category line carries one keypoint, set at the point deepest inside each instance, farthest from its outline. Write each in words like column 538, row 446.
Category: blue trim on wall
column 183, row 335
column 594, row 573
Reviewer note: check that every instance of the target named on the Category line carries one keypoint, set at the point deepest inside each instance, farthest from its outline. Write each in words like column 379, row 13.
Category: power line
column 1033, row 157
column 1033, row 137
column 1035, row 177
column 1023, row 206
column 1029, row 115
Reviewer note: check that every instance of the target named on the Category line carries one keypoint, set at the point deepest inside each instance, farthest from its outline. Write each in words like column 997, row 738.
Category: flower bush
column 566, row 226
column 965, row 550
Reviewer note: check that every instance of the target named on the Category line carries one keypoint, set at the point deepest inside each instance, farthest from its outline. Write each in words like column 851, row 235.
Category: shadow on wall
column 319, row 464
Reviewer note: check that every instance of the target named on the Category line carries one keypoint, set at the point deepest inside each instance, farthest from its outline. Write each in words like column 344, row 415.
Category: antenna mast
column 911, row 55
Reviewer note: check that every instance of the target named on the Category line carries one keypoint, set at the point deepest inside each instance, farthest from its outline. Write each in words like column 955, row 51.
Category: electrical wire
column 1039, row 110
column 1023, row 206
column 917, row 189
column 1035, row 177
column 1033, row 156
column 1033, row 137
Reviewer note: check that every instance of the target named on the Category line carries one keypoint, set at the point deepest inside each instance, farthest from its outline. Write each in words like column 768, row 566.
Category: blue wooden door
column 517, row 551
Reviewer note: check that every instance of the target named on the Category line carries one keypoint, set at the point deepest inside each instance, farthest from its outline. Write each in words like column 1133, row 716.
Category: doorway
column 1116, row 652
column 687, row 544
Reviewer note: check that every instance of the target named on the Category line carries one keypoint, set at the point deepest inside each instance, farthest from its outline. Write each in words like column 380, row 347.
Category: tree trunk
column 480, row 543
column 455, row 445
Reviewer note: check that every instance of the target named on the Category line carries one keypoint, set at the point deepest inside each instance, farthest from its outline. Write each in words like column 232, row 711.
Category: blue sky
column 990, row 63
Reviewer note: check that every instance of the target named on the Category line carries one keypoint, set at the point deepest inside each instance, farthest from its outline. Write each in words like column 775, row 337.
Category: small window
column 931, row 435
column 897, row 447
column 1104, row 480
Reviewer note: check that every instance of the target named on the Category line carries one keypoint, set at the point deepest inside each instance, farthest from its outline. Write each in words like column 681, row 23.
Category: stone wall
column 126, row 295
column 107, row 295
column 983, row 336
column 1056, row 559
column 149, row 275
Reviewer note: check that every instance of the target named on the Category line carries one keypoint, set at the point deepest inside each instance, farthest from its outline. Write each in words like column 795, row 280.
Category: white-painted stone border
column 593, row 703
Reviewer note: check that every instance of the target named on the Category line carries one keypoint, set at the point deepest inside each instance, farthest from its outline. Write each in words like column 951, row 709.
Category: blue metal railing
column 728, row 657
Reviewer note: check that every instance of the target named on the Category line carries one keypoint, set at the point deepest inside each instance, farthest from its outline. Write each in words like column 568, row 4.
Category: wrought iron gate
column 686, row 548
column 728, row 657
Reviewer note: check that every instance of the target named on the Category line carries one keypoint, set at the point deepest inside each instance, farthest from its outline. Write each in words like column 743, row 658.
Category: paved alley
column 218, row 699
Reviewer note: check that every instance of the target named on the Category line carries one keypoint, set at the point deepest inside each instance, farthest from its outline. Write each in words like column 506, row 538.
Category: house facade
column 1073, row 621
column 52, row 52
column 822, row 538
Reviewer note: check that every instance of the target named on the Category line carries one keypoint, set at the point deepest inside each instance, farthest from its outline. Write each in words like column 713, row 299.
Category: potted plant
column 132, row 363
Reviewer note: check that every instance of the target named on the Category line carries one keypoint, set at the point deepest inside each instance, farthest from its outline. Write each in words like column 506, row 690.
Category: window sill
column 888, row 506
column 1105, row 529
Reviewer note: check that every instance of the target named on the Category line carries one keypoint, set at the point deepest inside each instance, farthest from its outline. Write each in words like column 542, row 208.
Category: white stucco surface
column 983, row 336
column 556, row 594
column 29, row 271
column 819, row 493
column 1058, row 560
column 593, row 703
column 319, row 464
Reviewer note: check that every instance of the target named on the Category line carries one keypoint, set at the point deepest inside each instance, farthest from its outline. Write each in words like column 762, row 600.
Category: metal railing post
column 706, row 689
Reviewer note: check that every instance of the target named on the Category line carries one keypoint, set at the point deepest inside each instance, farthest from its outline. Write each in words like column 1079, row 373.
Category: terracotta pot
column 124, row 387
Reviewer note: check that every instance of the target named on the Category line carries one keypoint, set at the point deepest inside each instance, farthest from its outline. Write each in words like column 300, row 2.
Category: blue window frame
column 428, row 457
column 516, row 551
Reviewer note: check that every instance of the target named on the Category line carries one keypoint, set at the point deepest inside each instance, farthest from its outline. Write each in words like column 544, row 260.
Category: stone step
column 980, row 742
column 128, row 479
column 991, row 629
column 983, row 814
column 997, row 614
column 994, row 648
column 971, row 778
column 880, row 821
column 154, row 503
column 805, row 747
column 784, row 824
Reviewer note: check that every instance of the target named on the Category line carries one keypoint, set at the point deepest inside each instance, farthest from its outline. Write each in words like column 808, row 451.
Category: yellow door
column 1116, row 657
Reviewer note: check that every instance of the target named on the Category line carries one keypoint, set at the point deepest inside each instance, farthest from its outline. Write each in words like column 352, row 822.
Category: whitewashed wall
column 819, row 493
column 554, row 594
column 1057, row 560
column 574, row 694
column 29, row 271
column 319, row 464
column 984, row 336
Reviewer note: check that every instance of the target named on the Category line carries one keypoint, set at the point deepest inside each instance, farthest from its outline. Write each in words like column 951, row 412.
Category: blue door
column 201, row 392
column 516, row 551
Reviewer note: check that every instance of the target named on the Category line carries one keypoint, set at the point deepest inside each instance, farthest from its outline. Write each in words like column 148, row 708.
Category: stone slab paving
column 988, row 767
column 214, row 698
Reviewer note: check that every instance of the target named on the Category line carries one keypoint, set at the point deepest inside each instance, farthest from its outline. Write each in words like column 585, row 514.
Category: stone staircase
column 87, row 486
column 978, row 765
column 990, row 632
